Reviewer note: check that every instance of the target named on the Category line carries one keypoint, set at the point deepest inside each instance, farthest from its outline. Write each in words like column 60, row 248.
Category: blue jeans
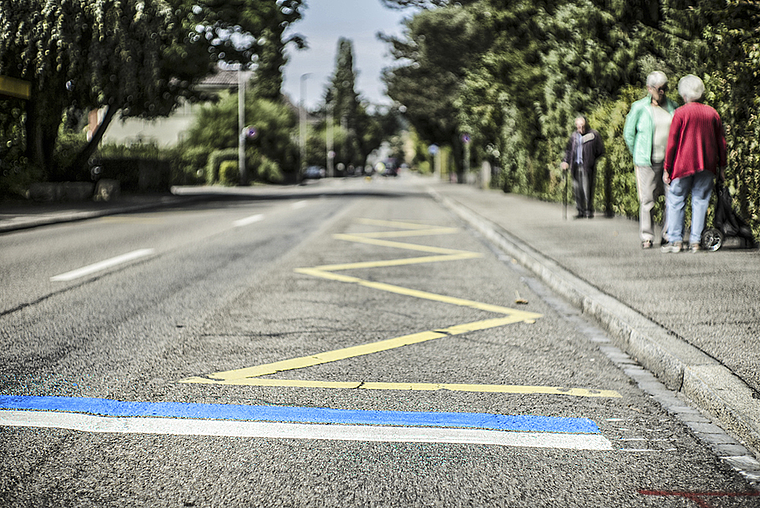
column 700, row 185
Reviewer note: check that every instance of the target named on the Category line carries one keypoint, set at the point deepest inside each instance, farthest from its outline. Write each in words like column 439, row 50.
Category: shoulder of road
column 690, row 319
column 19, row 214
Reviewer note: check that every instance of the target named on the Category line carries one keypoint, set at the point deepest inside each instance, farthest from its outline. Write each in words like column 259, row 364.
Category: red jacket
column 695, row 142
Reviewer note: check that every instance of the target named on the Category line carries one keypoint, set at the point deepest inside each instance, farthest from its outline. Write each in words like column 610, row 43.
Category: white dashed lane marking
column 102, row 265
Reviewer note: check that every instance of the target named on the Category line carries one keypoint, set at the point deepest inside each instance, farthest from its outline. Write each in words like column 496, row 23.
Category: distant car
column 390, row 170
column 314, row 172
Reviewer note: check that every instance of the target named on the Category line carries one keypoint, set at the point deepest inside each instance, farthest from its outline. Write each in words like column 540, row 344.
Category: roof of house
column 220, row 80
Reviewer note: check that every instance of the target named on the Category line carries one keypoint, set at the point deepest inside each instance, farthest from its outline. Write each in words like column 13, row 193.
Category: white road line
column 248, row 220
column 227, row 428
column 299, row 204
column 108, row 263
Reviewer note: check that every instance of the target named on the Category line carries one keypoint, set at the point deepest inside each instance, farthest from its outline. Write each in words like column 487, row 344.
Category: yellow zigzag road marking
column 354, row 351
column 382, row 286
column 400, row 245
column 362, row 385
column 401, row 234
column 252, row 376
column 389, row 262
column 395, row 224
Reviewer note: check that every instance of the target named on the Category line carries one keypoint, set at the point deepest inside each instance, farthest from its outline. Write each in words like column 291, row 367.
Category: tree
column 343, row 100
column 499, row 103
column 115, row 54
column 588, row 59
column 215, row 128
column 138, row 57
column 439, row 46
column 361, row 131
column 514, row 73
column 370, row 132
column 424, row 4
column 276, row 19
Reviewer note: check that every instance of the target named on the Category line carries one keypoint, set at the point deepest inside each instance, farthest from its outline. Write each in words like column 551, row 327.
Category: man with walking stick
column 583, row 149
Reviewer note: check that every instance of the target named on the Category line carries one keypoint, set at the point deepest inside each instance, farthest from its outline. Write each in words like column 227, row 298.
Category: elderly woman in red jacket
column 695, row 154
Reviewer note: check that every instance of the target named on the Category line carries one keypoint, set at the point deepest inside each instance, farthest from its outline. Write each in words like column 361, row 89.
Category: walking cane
column 564, row 195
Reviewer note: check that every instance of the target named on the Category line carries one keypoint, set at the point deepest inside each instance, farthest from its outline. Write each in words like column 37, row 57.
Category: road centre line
column 166, row 426
column 248, row 220
column 102, row 265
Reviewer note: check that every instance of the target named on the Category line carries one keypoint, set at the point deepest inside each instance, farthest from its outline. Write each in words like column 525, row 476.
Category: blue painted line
column 107, row 407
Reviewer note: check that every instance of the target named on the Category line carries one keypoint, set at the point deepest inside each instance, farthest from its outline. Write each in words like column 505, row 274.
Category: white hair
column 691, row 88
column 656, row 79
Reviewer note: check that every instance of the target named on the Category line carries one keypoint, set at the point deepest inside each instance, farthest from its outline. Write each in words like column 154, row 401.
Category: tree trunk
column 35, row 151
column 457, row 152
column 83, row 157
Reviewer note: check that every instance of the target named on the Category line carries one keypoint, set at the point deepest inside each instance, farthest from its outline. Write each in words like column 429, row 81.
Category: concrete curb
column 36, row 220
column 679, row 365
column 58, row 218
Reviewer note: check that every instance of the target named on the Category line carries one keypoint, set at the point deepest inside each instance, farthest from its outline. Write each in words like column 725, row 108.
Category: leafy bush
column 424, row 168
column 215, row 160
column 189, row 164
column 68, row 146
column 616, row 190
column 269, row 171
column 229, row 174
column 15, row 173
column 216, row 129
column 135, row 150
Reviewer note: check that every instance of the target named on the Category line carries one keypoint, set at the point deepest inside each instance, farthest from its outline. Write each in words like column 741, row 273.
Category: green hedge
column 215, row 160
column 229, row 173
column 615, row 192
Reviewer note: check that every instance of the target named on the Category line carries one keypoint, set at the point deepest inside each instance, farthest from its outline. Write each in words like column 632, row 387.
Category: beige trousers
column 650, row 186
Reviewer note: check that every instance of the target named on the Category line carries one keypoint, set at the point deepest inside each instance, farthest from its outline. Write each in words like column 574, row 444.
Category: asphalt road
column 356, row 348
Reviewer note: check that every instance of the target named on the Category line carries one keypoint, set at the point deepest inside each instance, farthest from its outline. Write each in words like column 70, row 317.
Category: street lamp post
column 329, row 138
column 242, row 79
column 302, row 121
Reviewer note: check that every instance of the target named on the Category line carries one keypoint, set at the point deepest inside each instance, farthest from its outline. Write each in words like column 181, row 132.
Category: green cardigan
column 638, row 131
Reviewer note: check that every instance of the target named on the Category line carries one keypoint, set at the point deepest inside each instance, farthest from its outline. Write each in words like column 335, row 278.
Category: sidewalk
column 692, row 319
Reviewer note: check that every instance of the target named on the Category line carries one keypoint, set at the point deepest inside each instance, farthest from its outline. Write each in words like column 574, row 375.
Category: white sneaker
column 671, row 247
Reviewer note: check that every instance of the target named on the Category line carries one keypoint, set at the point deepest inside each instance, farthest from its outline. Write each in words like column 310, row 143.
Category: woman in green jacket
column 646, row 134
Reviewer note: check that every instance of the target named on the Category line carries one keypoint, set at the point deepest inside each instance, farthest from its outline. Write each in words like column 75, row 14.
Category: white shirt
column 662, row 119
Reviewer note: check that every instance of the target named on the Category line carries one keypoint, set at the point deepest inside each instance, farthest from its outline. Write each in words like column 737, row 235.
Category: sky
column 326, row 21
